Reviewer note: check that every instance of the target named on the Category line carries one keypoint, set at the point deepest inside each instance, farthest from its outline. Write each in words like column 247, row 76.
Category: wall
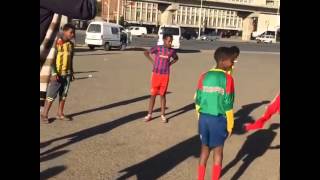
column 267, row 22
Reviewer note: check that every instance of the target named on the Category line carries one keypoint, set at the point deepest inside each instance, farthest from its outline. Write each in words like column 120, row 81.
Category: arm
column 228, row 101
column 59, row 44
column 77, row 9
column 175, row 58
column 197, row 95
column 71, row 63
column 147, row 53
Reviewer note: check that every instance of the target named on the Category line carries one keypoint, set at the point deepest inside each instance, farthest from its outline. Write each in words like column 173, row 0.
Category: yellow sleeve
column 230, row 121
column 197, row 106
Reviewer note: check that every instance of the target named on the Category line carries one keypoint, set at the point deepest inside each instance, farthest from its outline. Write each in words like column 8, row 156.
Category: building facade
column 244, row 16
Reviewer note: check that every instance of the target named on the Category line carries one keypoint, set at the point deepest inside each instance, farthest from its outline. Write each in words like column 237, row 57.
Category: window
column 136, row 28
column 169, row 30
column 94, row 28
column 114, row 30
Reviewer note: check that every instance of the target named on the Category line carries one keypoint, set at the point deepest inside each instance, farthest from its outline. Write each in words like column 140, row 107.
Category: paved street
column 107, row 138
column 198, row 45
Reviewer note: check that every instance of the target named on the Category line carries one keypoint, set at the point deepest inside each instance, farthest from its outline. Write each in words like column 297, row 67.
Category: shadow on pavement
column 255, row 146
column 242, row 116
column 80, row 72
column 95, row 54
column 158, row 165
column 109, row 106
column 187, row 51
column 53, row 155
column 93, row 131
column 83, row 50
column 48, row 173
column 135, row 49
column 182, row 110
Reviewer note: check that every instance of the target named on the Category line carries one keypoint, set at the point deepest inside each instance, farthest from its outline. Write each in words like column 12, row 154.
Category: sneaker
column 147, row 118
column 164, row 119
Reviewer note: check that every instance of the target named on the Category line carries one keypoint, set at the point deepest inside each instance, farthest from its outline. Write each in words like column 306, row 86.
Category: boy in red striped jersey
column 160, row 73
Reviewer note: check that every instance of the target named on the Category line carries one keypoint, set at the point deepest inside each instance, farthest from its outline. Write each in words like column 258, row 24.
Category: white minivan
column 175, row 31
column 137, row 30
column 108, row 35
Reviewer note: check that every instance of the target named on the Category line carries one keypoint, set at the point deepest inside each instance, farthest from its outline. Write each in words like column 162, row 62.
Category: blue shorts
column 212, row 130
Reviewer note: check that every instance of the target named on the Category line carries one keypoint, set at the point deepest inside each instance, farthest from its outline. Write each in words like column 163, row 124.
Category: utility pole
column 200, row 20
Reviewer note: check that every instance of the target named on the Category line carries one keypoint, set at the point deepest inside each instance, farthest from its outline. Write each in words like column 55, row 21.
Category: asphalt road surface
column 198, row 44
column 107, row 138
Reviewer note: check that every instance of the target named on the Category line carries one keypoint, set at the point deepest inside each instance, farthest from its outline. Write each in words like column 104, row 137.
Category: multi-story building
column 245, row 16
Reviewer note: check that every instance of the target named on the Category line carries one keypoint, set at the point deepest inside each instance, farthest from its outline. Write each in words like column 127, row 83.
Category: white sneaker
column 164, row 119
column 147, row 118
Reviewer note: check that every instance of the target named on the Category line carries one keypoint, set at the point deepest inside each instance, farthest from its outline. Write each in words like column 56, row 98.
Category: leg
column 150, row 109
column 45, row 112
column 163, row 104
column 163, row 108
column 217, row 162
column 63, row 92
column 53, row 89
column 151, row 104
column 61, row 107
column 205, row 151
column 163, row 90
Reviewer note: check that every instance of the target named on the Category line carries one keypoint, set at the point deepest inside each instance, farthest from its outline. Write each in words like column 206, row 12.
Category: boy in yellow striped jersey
column 62, row 73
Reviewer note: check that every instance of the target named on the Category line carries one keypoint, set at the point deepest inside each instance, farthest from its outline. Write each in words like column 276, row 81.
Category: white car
column 266, row 39
column 100, row 33
column 137, row 30
column 175, row 31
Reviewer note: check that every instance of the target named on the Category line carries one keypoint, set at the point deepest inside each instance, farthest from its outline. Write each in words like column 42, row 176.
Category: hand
column 54, row 78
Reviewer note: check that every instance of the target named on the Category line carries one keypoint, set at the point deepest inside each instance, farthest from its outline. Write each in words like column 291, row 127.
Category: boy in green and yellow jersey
column 214, row 103
column 62, row 73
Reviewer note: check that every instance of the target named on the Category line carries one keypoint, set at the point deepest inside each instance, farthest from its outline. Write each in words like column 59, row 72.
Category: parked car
column 266, row 39
column 213, row 36
column 108, row 35
column 137, row 30
column 175, row 31
column 226, row 34
column 188, row 34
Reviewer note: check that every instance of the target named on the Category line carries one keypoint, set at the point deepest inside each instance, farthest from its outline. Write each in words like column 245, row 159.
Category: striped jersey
column 162, row 57
column 64, row 57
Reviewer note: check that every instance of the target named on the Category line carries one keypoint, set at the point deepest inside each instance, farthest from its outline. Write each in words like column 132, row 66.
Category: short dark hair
column 235, row 50
column 222, row 53
column 68, row 26
column 167, row 35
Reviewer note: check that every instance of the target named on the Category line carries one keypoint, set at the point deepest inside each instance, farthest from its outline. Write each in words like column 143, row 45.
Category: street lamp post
column 200, row 20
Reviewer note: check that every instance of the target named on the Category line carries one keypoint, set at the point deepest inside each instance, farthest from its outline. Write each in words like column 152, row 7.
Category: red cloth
column 201, row 172
column 216, row 170
column 159, row 84
column 272, row 108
